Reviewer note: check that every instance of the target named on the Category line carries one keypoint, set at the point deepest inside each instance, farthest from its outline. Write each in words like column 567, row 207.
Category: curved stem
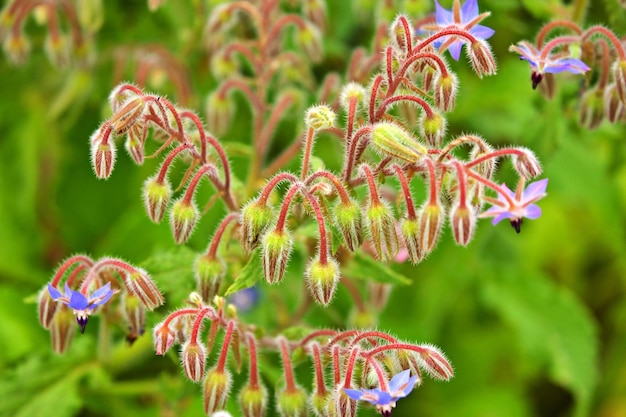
column 254, row 368
column 494, row 154
column 341, row 190
column 221, row 362
column 308, row 148
column 212, row 252
column 617, row 45
column 284, row 208
column 197, row 325
column 323, row 237
column 556, row 42
column 290, row 384
column 371, row 183
column 168, row 161
column 76, row 259
column 277, row 179
column 352, row 150
column 406, row 191
column 543, row 32
column 350, row 368
column 207, row 169
column 320, row 385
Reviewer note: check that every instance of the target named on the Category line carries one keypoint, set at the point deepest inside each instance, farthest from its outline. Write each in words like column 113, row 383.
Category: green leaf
column 62, row 397
column 249, row 275
column 552, row 325
column 172, row 271
column 366, row 267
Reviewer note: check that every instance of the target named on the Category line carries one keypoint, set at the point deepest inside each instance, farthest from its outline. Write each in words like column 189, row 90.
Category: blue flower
column 246, row 299
column 400, row 386
column 549, row 64
column 82, row 305
column 464, row 17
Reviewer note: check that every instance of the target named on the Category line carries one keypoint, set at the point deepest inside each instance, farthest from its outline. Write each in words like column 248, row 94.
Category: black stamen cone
column 386, row 413
column 82, row 322
column 536, row 79
column 517, row 225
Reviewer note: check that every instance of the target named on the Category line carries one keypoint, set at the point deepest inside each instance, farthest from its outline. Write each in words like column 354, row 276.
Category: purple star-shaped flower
column 400, row 386
column 465, row 17
column 522, row 204
column 551, row 64
column 82, row 305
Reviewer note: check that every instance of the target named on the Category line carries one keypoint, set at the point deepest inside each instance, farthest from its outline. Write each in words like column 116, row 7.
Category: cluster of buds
column 580, row 51
column 89, row 284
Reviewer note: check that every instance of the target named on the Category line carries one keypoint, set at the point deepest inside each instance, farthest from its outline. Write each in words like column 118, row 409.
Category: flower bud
column 216, row 389
column 102, row 156
column 435, row 363
column 220, row 111
column 183, row 218
column 193, row 356
column 209, row 272
column 156, row 197
column 547, row 88
column 344, row 405
column 136, row 140
column 255, row 219
column 223, row 66
column 380, row 223
column 62, row 329
column 221, row 19
column 527, row 164
column 140, row 284
column 397, row 34
column 16, row 46
column 392, row 140
column 481, row 58
column 277, row 247
column 58, row 50
column 433, row 128
column 352, row 91
column 430, row 223
column 410, row 360
column 322, row 279
column 135, row 314
column 292, row 403
column 410, row 234
column 309, row 39
column 90, row 15
column 592, row 108
column 319, row 117
column 378, row 294
column 463, row 223
column 487, row 167
column 253, row 400
column 619, row 76
column 46, row 307
column 127, row 114
column 428, row 77
column 315, row 12
column 349, row 219
column 445, row 91
column 163, row 338
column 613, row 105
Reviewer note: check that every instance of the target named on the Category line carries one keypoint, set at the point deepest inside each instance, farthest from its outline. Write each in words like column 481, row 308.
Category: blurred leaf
column 172, row 271
column 249, row 275
column 61, row 398
column 368, row 268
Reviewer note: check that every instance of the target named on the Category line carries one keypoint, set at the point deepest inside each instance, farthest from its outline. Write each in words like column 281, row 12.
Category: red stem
column 224, row 352
column 170, row 158
column 317, row 333
column 254, row 369
column 432, row 200
column 284, row 208
column 351, row 362
column 341, row 190
column 191, row 189
column 85, row 260
column 320, row 385
column 306, row 157
column 423, row 103
column 610, row 35
column 336, row 365
column 323, row 237
column 371, row 183
column 553, row 25
column 408, row 198
column 494, row 154
column 269, row 187
column 460, row 172
column 212, row 252
column 290, row 385
column 197, row 325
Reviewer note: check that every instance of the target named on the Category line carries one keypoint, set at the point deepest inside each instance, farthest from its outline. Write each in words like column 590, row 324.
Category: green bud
column 46, row 307
column 463, row 223
column 253, row 400
column 209, row 273
column 277, row 247
column 430, row 223
column 90, row 15
column 255, row 219
column 344, row 405
column 613, row 104
column 363, row 319
column 134, row 313
column 392, row 140
column 349, row 219
column 142, row 286
column 381, row 226
column 433, row 128
column 410, row 234
column 220, row 111
column 445, row 91
column 193, row 357
column 310, row 40
column 292, row 403
column 216, row 389
column 223, row 67
column 352, row 91
column 322, row 404
column 183, row 218
column 592, row 108
column 156, row 197
column 319, row 117
column 322, row 279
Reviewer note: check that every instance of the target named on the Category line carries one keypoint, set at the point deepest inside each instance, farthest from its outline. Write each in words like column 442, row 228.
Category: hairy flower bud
column 445, row 91
column 46, row 307
column 292, row 403
column 351, row 91
column 428, row 77
column 592, row 108
column 255, row 219
column 183, row 218
column 481, row 58
column 277, row 247
column 319, row 117
column 430, row 223
column 349, row 220
column 344, row 405
column 223, row 66
column 487, row 167
column 140, row 284
column 136, row 140
column 435, row 363
column 397, row 34
column 463, row 223
column 62, row 329
column 322, row 405
column 382, row 230
column 433, row 128
column 156, row 197
column 219, row 111
column 547, row 87
column 134, row 313
column 315, row 12
column 322, row 279
column 613, row 104
column 163, row 338
column 102, row 153
column 309, row 39
column 193, row 357
column 57, row 49
column 619, row 76
column 16, row 46
column 410, row 234
column 209, row 272
column 527, row 164
column 127, row 114
column 253, row 400
column 217, row 385
column 392, row 140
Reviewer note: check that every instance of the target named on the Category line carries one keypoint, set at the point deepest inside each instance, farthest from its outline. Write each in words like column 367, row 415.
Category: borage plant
column 394, row 137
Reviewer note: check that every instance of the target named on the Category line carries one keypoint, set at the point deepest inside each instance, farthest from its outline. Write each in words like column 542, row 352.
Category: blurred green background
column 534, row 324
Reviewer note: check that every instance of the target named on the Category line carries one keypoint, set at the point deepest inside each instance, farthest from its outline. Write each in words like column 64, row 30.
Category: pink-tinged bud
column 410, row 360
column 136, row 140
column 292, row 403
column 349, row 221
column 277, row 247
column 193, row 357
column 433, row 128
column 445, row 91
column 463, row 223
column 156, row 197
column 309, row 39
column 592, row 108
column 428, row 77
column 397, row 34
column 220, row 111
column 141, row 285
column 352, row 91
column 487, row 167
column 134, row 313
column 315, row 12
column 435, row 363
column 481, row 58
column 255, row 219
column 319, row 117
column 382, row 230
column 163, row 338
column 102, row 156
column 527, row 164
column 182, row 327
column 46, row 307
column 410, row 229
column 613, row 105
column 62, row 329
column 322, row 279
column 127, row 114
column 16, row 46
column 344, row 405
column 322, row 404
column 183, row 219
column 619, row 76
column 378, row 294
column 253, row 400
column 217, row 385
column 209, row 272
column 389, row 139
column 430, row 223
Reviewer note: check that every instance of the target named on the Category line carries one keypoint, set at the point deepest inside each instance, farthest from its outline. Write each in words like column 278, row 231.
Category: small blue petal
column 482, row 32
column 501, row 216
column 102, row 291
column 399, row 380
column 469, row 10
column 409, row 386
column 353, row 393
column 54, row 293
column 455, row 49
column 533, row 212
column 103, row 300
column 384, row 398
column 78, row 301
column 536, row 189
column 443, row 16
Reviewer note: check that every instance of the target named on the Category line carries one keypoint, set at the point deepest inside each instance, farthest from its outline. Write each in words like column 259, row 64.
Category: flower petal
column 455, row 49
column 355, row 394
column 502, row 216
column 536, row 189
column 399, row 380
column 54, row 293
column 469, row 10
column 533, row 212
column 482, row 32
column 102, row 291
column 77, row 301
column 443, row 16
column 384, row 398
column 573, row 65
